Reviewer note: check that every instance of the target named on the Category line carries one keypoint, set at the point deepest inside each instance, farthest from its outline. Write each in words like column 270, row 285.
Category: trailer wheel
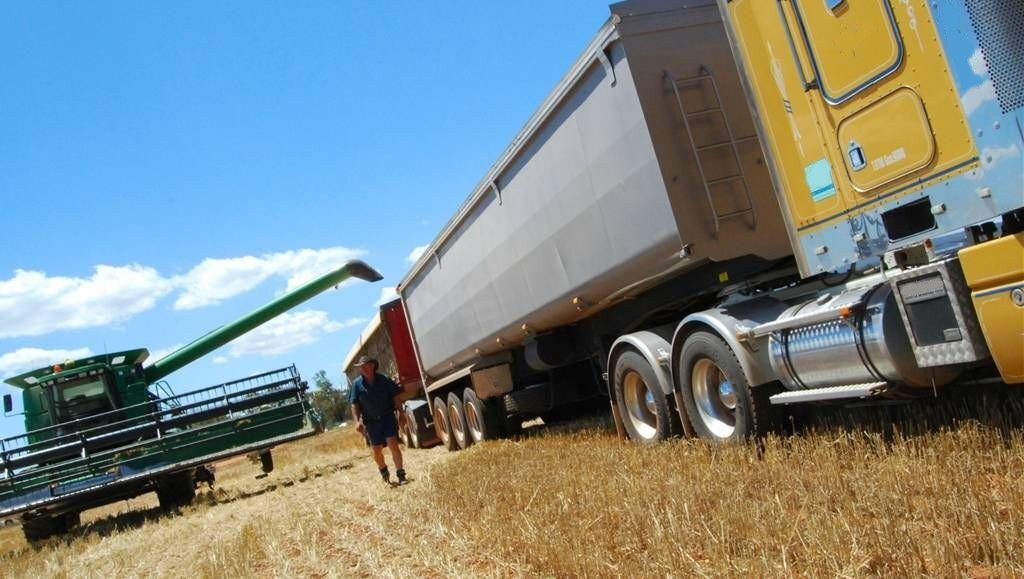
column 481, row 417
column 403, row 434
column 457, row 420
column 646, row 411
column 442, row 426
column 41, row 528
column 176, row 490
column 720, row 403
column 412, row 429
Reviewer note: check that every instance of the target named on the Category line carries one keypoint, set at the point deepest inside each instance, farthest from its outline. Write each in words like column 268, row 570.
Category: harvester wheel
column 176, row 490
column 441, row 425
column 37, row 529
column 646, row 411
column 720, row 403
column 481, row 417
column 457, row 420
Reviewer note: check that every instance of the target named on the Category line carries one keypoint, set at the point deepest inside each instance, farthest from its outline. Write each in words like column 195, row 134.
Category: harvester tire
column 481, row 417
column 646, row 411
column 176, row 490
column 457, row 420
column 441, row 425
column 720, row 403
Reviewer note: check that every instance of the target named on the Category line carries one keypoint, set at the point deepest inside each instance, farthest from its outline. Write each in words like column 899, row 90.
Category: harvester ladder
column 703, row 77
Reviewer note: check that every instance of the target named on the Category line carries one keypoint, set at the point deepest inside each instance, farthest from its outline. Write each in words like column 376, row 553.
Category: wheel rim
column 456, row 422
column 473, row 420
column 715, row 398
column 410, row 424
column 641, row 409
column 440, row 422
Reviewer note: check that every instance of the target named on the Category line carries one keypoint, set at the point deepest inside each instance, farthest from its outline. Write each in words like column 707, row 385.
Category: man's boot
column 385, row 475
column 401, row 475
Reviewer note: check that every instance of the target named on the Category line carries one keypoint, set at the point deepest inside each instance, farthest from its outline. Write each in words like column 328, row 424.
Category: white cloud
column 33, row 303
column 386, row 294
column 977, row 63
column 976, row 96
column 992, row 156
column 345, row 324
column 215, row 280
column 416, row 253
column 220, row 359
column 287, row 332
column 26, row 359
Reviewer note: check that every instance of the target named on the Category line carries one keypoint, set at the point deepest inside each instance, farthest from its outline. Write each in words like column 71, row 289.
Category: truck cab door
column 866, row 83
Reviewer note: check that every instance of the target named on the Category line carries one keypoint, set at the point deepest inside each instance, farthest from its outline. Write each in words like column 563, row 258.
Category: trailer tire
column 481, row 418
column 176, row 490
column 412, row 430
column 403, row 434
column 441, row 425
column 720, row 403
column 529, row 402
column 41, row 528
column 457, row 420
column 646, row 411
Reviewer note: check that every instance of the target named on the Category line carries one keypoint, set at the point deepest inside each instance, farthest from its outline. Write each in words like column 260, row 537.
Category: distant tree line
column 329, row 403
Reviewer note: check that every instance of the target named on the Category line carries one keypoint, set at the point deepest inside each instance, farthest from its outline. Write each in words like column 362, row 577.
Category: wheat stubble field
column 938, row 494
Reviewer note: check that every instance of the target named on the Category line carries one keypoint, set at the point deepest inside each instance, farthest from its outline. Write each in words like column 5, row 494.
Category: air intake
column 999, row 25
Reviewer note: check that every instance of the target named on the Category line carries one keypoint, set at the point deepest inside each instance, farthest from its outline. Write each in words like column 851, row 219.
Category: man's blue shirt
column 375, row 400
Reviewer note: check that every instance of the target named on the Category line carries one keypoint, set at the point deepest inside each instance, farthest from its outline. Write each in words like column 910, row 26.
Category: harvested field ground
column 925, row 492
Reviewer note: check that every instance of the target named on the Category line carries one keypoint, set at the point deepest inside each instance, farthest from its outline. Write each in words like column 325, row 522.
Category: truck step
column 866, row 390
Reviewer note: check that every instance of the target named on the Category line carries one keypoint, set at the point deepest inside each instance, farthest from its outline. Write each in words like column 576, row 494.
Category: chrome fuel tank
column 865, row 342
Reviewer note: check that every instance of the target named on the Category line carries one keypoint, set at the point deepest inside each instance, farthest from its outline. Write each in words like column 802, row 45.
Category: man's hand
column 360, row 427
column 401, row 419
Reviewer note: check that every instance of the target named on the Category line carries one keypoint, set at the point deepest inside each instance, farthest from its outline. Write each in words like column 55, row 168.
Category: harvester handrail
column 181, row 413
column 104, row 461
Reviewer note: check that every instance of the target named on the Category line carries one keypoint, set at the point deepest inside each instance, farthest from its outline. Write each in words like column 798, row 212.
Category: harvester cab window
column 82, row 397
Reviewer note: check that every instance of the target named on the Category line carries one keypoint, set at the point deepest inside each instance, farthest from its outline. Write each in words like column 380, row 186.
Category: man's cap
column 364, row 359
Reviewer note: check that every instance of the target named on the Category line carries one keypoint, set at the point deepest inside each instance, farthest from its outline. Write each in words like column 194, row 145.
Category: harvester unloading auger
column 105, row 428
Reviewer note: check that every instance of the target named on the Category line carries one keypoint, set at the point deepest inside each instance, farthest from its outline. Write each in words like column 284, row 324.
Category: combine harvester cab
column 728, row 206
column 105, row 428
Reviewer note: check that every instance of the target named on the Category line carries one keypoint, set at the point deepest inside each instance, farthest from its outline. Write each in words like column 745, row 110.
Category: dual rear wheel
column 717, row 403
column 462, row 421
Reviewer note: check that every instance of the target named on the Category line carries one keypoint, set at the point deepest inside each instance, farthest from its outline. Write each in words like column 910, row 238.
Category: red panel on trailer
column 401, row 342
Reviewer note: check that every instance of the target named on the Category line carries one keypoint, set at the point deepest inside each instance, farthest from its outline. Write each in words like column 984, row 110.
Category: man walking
column 374, row 399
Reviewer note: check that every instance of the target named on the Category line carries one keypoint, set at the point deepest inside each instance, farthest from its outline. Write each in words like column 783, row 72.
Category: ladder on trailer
column 712, row 186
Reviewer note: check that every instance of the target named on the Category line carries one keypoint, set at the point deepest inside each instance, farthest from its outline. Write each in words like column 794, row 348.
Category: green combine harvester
column 107, row 428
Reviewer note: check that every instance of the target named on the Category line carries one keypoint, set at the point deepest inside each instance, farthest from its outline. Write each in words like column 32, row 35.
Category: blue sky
column 167, row 167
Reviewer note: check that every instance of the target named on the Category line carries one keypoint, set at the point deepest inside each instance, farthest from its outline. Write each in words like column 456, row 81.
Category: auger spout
column 224, row 334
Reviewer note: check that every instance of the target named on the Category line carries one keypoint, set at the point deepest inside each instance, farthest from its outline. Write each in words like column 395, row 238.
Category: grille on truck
column 999, row 25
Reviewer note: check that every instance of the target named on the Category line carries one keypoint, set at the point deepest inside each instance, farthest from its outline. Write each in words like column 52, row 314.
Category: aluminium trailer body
column 722, row 200
column 602, row 197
